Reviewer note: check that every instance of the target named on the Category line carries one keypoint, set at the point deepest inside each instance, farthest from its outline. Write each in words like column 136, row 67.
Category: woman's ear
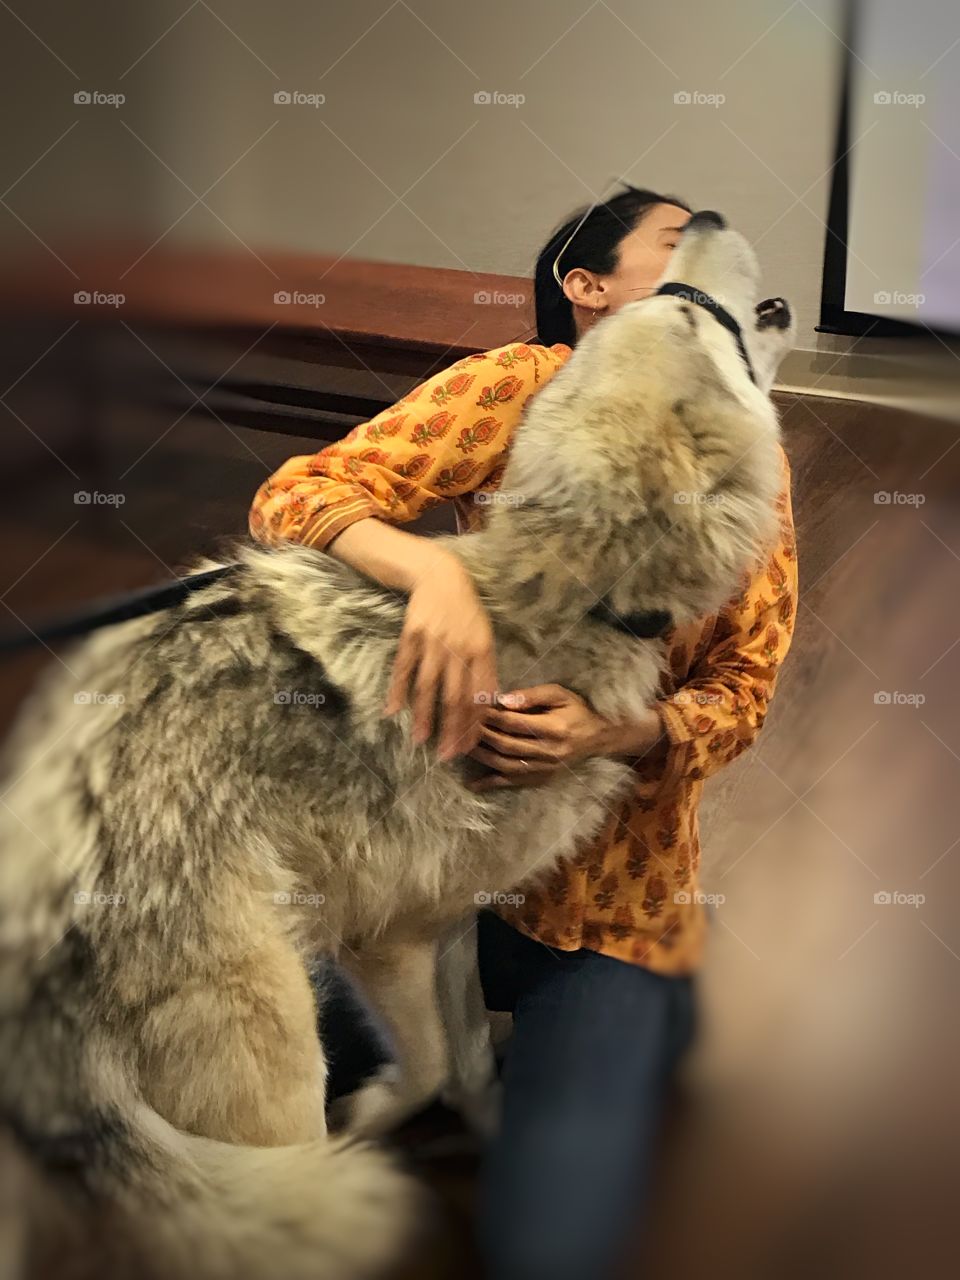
column 583, row 288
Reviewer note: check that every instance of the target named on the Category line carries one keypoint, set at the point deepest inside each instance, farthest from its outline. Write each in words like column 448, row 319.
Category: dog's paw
column 368, row 1109
column 774, row 313
column 479, row 1109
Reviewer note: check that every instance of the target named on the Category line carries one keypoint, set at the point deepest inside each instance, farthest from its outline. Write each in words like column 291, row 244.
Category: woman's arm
column 446, row 647
column 720, row 709
column 447, row 437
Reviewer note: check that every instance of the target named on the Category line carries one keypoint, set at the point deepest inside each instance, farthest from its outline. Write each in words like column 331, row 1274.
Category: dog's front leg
column 472, row 1086
column 399, row 980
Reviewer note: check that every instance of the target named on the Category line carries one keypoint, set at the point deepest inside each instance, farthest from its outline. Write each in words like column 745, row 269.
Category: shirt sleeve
column 718, row 712
column 448, row 436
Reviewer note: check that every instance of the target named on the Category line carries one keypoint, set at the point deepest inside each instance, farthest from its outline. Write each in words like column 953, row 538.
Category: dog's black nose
column 707, row 218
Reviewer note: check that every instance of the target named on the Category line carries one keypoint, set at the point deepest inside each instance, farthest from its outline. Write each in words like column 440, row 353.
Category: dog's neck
column 537, row 569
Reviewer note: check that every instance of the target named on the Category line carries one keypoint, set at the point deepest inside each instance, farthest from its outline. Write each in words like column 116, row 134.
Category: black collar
column 720, row 314
column 642, row 626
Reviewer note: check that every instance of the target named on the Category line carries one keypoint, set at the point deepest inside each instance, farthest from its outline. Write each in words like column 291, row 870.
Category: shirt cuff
column 679, row 740
column 320, row 531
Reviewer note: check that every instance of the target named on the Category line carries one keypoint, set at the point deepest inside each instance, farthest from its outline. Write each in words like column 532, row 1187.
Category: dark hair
column 596, row 246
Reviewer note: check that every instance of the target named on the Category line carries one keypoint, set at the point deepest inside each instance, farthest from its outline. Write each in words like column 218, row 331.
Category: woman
column 596, row 964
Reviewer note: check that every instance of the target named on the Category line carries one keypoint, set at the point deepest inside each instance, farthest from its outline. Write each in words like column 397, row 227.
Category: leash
column 720, row 314
column 135, row 604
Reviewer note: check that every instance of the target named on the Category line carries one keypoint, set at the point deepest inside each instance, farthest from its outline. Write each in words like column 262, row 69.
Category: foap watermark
column 297, row 98
column 487, row 98
column 696, row 698
column 702, row 299
column 97, row 899
column 696, row 98
column 299, row 698
column 494, row 898
column 510, row 701
column 897, row 98
column 895, row 898
column 495, row 298
column 96, row 98
column 96, row 298
column 689, row 498
column 94, row 698
column 894, row 498
column 883, row 698
column 297, row 898
column 297, row 298
column 685, row 897
column 898, row 298
column 94, row 498
column 499, row 498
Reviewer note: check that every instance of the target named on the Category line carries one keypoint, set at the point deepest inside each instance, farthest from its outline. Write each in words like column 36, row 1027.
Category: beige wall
column 399, row 163
column 488, row 182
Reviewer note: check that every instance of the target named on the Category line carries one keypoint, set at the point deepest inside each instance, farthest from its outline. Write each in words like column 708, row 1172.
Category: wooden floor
column 817, row 1128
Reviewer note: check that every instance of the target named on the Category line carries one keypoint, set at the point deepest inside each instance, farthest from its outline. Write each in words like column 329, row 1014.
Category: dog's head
column 650, row 463
column 720, row 266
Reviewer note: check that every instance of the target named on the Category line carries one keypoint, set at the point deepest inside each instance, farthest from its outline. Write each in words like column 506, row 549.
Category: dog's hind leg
column 234, row 1054
column 473, row 1088
column 399, row 979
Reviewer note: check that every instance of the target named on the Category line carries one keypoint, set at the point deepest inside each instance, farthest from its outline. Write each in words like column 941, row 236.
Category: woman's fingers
column 513, row 766
column 509, row 770
column 426, row 686
column 524, row 724
column 521, row 748
column 408, row 651
column 460, row 731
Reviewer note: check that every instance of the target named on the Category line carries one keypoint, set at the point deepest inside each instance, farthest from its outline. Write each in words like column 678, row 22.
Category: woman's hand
column 549, row 728
column 446, row 649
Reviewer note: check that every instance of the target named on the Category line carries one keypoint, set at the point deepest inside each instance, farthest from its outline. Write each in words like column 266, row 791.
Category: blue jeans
column 594, row 1041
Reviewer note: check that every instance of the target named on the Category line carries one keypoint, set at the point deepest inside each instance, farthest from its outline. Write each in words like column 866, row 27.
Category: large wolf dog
column 206, row 798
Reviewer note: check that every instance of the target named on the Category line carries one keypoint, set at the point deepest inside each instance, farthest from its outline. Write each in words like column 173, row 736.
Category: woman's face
column 644, row 253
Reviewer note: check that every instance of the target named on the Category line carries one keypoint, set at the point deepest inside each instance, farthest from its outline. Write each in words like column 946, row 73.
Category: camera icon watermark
column 94, row 698
column 486, row 98
column 296, row 98
column 894, row 498
column 695, row 98
column 696, row 698
column 509, row 701
column 94, row 98
column 883, row 698
column 297, row 898
column 687, row 897
column 299, row 698
column 96, row 298
column 687, row 497
column 894, row 898
column 496, row 298
column 899, row 298
column 298, row 298
column 94, row 498
column 897, row 98
column 498, row 498
column 494, row 898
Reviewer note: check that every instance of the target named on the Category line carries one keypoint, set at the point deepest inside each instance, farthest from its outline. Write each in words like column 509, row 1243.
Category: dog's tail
column 169, row 1204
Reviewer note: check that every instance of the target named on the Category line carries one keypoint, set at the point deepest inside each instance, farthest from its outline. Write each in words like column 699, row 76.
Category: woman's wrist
column 393, row 557
column 630, row 739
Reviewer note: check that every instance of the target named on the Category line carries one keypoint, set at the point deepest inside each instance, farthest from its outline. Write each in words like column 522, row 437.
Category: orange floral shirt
column 634, row 895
